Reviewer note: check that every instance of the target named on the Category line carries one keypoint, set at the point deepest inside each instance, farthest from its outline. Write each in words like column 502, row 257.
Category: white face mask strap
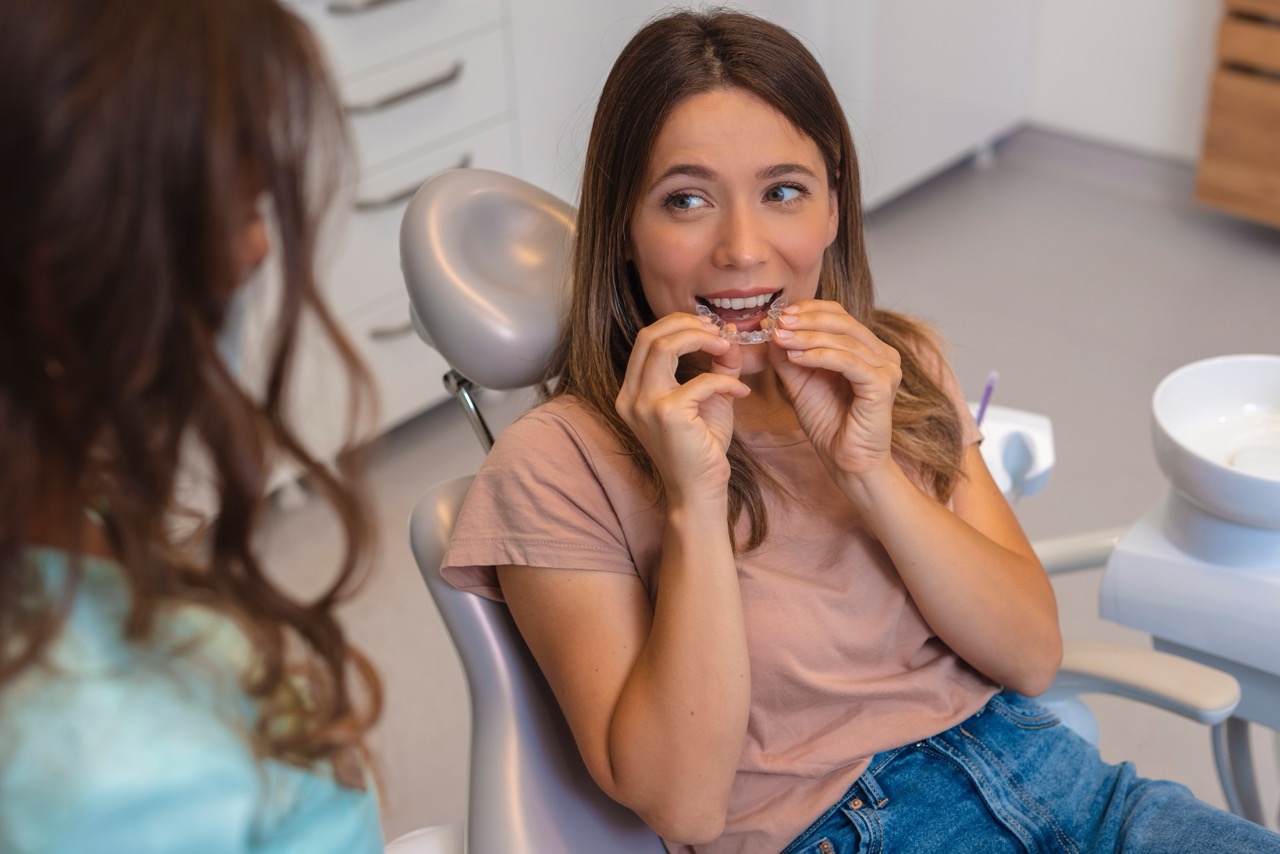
column 759, row 336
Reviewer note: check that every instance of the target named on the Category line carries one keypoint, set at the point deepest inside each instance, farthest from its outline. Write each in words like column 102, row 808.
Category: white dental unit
column 1200, row 571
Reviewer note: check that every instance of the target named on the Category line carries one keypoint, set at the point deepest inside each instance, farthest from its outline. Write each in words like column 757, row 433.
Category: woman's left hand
column 842, row 380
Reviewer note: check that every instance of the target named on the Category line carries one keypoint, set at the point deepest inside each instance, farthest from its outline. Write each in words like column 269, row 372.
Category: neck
column 767, row 409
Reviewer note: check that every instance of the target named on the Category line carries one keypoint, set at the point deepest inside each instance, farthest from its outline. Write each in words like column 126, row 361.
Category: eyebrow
column 703, row 173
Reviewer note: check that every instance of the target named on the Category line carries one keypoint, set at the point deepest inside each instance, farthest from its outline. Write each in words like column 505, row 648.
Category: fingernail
column 784, row 334
column 787, row 318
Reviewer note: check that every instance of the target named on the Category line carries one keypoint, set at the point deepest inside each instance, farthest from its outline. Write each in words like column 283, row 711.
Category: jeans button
column 855, row 804
column 826, row 847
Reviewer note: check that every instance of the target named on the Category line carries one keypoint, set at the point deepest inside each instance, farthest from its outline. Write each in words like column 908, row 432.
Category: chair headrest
column 485, row 257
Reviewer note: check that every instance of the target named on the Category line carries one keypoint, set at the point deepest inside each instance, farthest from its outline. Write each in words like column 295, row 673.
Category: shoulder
column 81, row 751
column 561, row 420
column 556, row 490
column 115, row 746
column 154, row 754
column 562, row 439
column 927, row 350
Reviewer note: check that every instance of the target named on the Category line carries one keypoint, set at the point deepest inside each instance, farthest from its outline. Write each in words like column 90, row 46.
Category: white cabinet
column 925, row 83
column 426, row 87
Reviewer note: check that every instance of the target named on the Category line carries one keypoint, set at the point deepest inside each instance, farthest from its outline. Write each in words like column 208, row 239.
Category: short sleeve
column 122, row 762
column 545, row 497
column 118, row 747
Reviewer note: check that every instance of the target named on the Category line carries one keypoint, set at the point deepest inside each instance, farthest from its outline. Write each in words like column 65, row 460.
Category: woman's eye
column 683, row 201
column 784, row 193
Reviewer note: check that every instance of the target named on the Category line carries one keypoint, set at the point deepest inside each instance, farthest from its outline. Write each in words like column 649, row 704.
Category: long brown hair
column 667, row 61
column 134, row 133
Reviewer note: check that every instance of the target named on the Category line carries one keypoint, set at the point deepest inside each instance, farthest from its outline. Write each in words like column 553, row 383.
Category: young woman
column 157, row 693
column 778, row 596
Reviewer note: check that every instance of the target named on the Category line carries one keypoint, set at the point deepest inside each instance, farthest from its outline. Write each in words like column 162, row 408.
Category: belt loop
column 871, row 791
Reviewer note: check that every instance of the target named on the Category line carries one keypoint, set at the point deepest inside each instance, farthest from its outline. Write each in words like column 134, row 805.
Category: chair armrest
column 1078, row 551
column 1175, row 684
column 440, row 839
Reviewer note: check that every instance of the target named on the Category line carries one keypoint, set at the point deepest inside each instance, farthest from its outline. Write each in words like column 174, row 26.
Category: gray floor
column 1080, row 273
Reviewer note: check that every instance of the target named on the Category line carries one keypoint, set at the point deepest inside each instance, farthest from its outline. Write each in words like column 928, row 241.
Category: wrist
column 695, row 510
column 873, row 492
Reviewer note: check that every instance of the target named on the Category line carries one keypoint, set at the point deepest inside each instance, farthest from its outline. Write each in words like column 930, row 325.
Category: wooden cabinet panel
column 1250, row 45
column 1240, row 159
column 1260, row 8
column 1240, row 163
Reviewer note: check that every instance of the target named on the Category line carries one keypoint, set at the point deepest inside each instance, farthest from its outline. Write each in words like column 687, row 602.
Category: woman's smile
column 744, row 309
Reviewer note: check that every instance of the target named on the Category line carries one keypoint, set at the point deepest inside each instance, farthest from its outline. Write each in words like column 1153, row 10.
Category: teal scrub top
column 110, row 746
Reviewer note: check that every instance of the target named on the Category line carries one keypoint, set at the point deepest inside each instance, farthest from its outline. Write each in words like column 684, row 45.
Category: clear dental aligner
column 759, row 336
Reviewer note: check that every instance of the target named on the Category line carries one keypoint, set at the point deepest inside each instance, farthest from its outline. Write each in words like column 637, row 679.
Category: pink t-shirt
column 842, row 664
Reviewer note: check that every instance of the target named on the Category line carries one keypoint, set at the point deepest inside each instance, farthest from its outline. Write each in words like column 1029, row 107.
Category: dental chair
column 484, row 257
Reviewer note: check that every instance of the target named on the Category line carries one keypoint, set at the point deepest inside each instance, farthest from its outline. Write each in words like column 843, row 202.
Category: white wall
column 1131, row 73
column 560, row 61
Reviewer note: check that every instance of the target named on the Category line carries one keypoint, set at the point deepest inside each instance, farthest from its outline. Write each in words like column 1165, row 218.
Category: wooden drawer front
column 435, row 95
column 1261, row 8
column 1249, row 44
column 362, row 34
column 1240, row 164
column 367, row 267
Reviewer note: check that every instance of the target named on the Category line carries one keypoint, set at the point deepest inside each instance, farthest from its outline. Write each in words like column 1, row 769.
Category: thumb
column 730, row 362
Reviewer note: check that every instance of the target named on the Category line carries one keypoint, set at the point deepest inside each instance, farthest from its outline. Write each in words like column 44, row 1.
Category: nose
column 741, row 242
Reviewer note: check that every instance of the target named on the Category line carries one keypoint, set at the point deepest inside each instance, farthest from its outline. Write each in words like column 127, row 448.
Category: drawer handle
column 447, row 79
column 355, row 7
column 396, row 198
column 391, row 333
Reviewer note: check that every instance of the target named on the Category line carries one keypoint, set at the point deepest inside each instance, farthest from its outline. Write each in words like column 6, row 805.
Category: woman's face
column 735, row 211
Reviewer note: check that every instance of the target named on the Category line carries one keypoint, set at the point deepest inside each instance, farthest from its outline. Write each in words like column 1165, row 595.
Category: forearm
column 991, row 604
column 677, row 732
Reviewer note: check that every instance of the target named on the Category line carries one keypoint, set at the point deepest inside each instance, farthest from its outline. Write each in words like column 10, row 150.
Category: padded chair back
column 485, row 257
column 485, row 261
column 529, row 791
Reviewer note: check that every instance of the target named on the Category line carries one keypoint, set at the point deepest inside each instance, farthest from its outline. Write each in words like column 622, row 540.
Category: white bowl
column 1217, row 436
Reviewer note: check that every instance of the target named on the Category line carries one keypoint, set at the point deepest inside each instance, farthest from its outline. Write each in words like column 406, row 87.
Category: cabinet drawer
column 362, row 34
column 407, row 373
column 435, row 95
column 1240, row 163
column 367, row 265
column 1249, row 44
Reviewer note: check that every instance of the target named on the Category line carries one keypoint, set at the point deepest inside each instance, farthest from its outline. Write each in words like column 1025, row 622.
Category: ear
column 833, row 215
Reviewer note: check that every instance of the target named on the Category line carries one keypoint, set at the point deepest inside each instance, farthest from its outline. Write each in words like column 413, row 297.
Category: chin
column 755, row 358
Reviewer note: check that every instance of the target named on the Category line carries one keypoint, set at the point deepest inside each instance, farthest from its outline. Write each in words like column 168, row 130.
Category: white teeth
column 739, row 303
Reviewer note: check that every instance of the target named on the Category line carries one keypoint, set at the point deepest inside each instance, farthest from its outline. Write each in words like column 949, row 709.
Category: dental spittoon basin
column 1216, row 429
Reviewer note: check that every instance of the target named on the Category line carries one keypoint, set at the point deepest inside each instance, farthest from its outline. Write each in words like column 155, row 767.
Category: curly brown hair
column 131, row 131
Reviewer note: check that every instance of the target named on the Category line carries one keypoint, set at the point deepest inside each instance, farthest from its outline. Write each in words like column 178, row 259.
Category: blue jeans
column 1012, row 778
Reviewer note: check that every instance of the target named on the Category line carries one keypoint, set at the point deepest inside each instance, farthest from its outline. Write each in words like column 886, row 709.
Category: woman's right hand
column 686, row 428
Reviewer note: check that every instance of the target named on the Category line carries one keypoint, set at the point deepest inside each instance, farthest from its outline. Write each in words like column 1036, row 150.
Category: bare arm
column 972, row 573
column 657, row 697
